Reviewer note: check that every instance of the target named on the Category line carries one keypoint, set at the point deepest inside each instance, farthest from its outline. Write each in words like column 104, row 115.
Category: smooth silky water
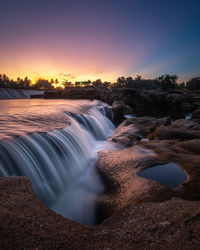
column 55, row 144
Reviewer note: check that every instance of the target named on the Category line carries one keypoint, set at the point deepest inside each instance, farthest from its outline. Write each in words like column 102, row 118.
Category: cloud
column 72, row 76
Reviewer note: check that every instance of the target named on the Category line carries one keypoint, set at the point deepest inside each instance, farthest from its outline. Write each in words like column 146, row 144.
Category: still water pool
column 169, row 174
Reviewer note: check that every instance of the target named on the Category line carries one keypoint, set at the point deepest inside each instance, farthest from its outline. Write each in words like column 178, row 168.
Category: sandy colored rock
column 25, row 223
column 126, row 134
column 119, row 171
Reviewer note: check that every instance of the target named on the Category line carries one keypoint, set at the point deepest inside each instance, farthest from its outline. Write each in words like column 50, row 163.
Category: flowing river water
column 55, row 144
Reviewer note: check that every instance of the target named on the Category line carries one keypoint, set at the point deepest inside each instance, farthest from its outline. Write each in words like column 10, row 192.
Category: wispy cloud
column 68, row 75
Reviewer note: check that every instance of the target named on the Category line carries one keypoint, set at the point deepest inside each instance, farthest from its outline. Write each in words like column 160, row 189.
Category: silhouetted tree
column 67, row 84
column 43, row 84
column 138, row 78
column 121, row 81
column 97, row 83
column 168, row 81
column 107, row 84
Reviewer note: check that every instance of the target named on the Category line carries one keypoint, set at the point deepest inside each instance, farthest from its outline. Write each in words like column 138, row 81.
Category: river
column 55, row 144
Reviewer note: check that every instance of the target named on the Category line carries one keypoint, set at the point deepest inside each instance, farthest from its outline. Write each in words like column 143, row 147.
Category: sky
column 90, row 39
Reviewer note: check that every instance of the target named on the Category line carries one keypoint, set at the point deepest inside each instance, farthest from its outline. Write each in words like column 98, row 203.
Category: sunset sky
column 90, row 39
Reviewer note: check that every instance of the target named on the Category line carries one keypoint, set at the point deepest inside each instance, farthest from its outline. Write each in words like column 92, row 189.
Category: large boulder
column 147, row 124
column 180, row 129
column 171, row 133
column 175, row 103
column 126, row 134
column 119, row 110
column 145, row 103
column 191, row 146
column 158, row 103
column 132, row 130
column 196, row 115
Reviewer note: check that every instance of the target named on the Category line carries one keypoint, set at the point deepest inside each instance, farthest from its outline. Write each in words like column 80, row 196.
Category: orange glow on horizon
column 34, row 77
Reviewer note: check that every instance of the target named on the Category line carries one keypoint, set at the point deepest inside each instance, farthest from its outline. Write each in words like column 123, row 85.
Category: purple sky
column 90, row 39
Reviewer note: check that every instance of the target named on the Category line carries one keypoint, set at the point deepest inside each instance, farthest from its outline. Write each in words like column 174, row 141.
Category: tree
column 27, row 83
column 138, row 78
column 67, row 84
column 43, row 84
column 121, row 81
column 168, row 81
column 97, row 83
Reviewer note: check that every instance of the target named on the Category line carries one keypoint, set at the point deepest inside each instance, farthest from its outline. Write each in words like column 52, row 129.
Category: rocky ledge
column 156, row 103
column 134, row 212
column 26, row 223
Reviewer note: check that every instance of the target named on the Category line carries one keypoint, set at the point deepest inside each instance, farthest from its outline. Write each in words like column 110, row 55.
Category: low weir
column 61, row 163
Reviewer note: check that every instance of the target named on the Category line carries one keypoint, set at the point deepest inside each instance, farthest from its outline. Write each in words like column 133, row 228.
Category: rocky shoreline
column 157, row 103
column 134, row 213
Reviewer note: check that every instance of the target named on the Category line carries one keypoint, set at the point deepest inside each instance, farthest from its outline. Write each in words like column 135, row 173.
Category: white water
column 60, row 163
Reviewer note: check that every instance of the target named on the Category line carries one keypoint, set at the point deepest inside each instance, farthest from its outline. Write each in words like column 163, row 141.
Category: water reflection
column 169, row 174
column 18, row 117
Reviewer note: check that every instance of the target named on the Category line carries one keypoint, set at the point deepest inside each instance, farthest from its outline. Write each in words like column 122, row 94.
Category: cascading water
column 61, row 163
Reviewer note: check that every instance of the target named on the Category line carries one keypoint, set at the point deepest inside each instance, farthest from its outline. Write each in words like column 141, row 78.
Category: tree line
column 25, row 83
column 162, row 82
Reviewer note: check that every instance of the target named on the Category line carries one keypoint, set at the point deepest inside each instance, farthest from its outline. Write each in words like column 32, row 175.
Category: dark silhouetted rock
column 119, row 110
column 196, row 115
column 52, row 94
column 171, row 132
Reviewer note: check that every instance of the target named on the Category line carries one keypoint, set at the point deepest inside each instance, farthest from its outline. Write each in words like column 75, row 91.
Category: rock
column 74, row 93
column 145, row 103
column 186, row 155
column 139, row 213
column 52, row 94
column 175, row 104
column 159, row 103
column 147, row 125
column 126, row 134
column 196, row 115
column 180, row 129
column 132, row 130
column 123, row 186
column 192, row 146
column 119, row 110
column 185, row 124
column 171, row 133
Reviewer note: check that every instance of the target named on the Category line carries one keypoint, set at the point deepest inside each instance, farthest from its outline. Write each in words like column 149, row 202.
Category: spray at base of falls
column 61, row 163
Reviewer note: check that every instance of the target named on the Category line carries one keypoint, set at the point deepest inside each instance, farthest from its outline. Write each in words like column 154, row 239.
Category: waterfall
column 60, row 163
